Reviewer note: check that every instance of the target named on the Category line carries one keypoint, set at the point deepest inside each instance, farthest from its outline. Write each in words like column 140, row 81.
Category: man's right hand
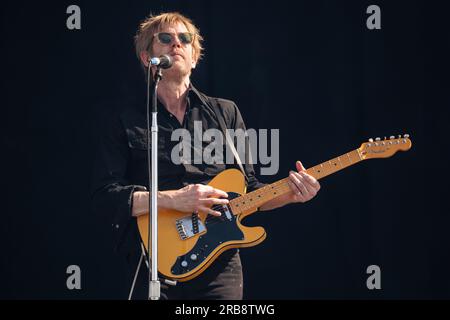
column 194, row 198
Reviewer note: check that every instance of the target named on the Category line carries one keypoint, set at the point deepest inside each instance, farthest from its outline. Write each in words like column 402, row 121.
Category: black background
column 310, row 68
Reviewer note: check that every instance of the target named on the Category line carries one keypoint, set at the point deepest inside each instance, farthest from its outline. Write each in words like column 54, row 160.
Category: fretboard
column 251, row 201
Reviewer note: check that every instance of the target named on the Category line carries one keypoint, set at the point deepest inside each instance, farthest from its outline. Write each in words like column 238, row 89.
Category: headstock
column 384, row 148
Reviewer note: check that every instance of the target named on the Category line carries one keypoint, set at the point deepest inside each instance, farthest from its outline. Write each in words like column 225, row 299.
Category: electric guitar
column 189, row 243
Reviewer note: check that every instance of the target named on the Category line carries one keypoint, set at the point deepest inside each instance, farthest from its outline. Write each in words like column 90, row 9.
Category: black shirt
column 121, row 159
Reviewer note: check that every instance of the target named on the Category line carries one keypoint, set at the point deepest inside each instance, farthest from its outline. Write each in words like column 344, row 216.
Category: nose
column 176, row 42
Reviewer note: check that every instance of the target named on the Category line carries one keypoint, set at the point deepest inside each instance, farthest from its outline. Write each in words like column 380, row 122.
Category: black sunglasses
column 167, row 37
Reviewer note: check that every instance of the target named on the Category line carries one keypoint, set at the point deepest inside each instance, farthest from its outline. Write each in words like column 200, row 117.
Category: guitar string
column 277, row 186
column 262, row 193
column 212, row 220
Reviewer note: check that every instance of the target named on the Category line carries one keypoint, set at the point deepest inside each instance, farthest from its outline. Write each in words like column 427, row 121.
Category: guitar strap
column 220, row 117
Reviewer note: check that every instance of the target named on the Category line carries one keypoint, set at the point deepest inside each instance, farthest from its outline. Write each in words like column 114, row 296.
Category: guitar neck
column 251, row 201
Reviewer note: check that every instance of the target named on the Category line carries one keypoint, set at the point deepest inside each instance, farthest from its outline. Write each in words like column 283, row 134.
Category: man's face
column 182, row 54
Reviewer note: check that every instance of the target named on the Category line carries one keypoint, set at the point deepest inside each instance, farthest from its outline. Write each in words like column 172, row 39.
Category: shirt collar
column 194, row 96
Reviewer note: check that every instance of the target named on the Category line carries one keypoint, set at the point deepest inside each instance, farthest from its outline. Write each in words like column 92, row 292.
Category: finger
column 213, row 192
column 213, row 201
column 297, row 180
column 299, row 166
column 294, row 188
column 311, row 180
column 311, row 191
column 297, row 194
column 210, row 211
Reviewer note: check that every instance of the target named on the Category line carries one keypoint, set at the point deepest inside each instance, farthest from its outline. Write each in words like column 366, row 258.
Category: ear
column 194, row 60
column 144, row 55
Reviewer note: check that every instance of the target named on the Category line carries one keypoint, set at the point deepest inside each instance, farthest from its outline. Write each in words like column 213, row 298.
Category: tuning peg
column 370, row 140
column 377, row 139
column 406, row 136
column 391, row 137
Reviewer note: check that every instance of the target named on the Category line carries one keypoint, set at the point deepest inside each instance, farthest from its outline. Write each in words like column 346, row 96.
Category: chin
column 177, row 69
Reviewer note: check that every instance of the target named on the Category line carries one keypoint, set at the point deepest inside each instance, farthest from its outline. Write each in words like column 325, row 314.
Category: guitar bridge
column 188, row 227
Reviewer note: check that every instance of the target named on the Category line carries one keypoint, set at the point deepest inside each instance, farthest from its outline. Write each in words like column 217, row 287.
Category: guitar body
column 186, row 247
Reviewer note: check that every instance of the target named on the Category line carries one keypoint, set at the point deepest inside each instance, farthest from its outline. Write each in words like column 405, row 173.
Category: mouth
column 176, row 54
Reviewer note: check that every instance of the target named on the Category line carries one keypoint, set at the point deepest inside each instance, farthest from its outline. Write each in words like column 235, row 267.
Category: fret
column 342, row 162
column 349, row 158
column 359, row 155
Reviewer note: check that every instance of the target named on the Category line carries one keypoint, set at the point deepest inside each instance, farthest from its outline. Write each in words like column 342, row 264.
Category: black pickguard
column 219, row 230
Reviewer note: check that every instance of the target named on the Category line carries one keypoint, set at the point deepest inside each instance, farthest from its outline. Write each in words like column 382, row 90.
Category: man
column 121, row 172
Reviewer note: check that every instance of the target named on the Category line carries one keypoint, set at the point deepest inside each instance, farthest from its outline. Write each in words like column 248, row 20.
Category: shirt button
column 171, row 115
column 117, row 226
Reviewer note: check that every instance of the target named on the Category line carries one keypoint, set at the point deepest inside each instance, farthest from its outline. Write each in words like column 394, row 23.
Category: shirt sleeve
column 111, row 192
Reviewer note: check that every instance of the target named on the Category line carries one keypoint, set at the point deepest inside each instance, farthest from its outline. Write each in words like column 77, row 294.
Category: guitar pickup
column 186, row 228
column 227, row 212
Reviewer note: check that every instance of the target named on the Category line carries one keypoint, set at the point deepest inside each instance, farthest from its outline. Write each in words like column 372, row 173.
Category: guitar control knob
column 370, row 140
column 193, row 257
column 184, row 263
column 406, row 136
column 377, row 139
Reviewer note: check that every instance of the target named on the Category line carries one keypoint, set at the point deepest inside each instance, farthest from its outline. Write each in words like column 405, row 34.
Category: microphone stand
column 154, row 292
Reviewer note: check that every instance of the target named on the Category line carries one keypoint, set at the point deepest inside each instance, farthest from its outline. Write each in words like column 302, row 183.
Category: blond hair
column 143, row 40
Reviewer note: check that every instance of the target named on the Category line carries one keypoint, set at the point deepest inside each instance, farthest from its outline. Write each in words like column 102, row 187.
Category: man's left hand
column 304, row 186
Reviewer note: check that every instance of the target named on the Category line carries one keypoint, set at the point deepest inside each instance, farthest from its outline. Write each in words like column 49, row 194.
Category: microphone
column 164, row 61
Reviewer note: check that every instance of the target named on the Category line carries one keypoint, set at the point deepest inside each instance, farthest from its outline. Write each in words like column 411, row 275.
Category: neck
column 172, row 93
column 250, row 202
